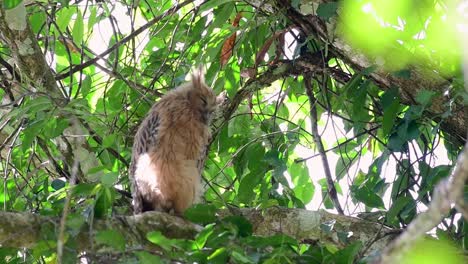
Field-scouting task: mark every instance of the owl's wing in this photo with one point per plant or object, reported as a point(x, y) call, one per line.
point(145, 138)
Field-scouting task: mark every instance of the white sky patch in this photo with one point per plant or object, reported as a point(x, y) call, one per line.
point(102, 31)
point(290, 44)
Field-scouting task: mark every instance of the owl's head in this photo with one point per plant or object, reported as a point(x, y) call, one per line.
point(201, 97)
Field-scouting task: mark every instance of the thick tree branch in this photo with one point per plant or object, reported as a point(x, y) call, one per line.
point(25, 230)
point(27, 53)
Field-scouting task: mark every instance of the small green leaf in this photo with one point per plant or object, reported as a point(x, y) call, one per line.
point(304, 189)
point(201, 213)
point(347, 254)
point(367, 196)
point(92, 19)
point(109, 179)
point(240, 257)
point(159, 239)
point(220, 256)
point(424, 97)
point(109, 141)
point(389, 117)
point(396, 208)
point(395, 143)
point(327, 10)
point(85, 189)
point(74, 223)
point(111, 238)
point(104, 201)
point(244, 226)
point(9, 4)
point(86, 86)
point(247, 186)
point(64, 17)
point(203, 235)
point(57, 184)
point(78, 28)
point(389, 97)
point(147, 258)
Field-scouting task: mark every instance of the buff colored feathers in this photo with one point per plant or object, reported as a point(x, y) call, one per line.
point(169, 148)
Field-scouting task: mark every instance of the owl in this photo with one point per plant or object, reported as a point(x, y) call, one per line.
point(169, 149)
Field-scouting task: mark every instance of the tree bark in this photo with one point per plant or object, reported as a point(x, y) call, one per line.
point(25, 230)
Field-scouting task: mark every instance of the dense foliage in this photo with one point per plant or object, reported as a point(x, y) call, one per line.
point(66, 149)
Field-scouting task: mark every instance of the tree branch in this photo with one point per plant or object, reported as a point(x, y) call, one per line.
point(25, 230)
point(318, 142)
point(422, 75)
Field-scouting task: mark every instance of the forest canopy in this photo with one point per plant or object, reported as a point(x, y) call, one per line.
point(336, 141)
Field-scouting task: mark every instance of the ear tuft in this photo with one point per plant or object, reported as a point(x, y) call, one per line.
point(198, 79)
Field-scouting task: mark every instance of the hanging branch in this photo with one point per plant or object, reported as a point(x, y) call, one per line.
point(319, 144)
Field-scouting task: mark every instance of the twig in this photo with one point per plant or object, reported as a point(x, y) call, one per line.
point(66, 207)
point(318, 142)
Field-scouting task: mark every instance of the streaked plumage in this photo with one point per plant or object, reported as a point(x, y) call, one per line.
point(169, 147)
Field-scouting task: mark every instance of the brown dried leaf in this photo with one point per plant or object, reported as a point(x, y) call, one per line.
point(228, 45)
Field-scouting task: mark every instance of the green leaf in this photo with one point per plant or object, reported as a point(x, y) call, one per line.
point(74, 223)
point(55, 127)
point(92, 19)
point(389, 117)
point(424, 97)
point(389, 97)
point(85, 189)
point(397, 206)
point(212, 4)
point(57, 184)
point(271, 241)
point(147, 258)
point(367, 71)
point(64, 17)
point(220, 256)
point(203, 235)
point(304, 189)
point(111, 238)
point(201, 214)
point(327, 10)
point(78, 28)
point(159, 239)
point(109, 141)
point(247, 186)
point(409, 131)
point(347, 254)
point(240, 257)
point(367, 196)
point(109, 179)
point(9, 4)
point(395, 143)
point(37, 20)
point(104, 201)
point(243, 225)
